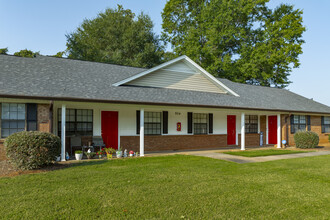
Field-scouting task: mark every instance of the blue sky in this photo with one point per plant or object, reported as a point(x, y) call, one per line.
point(41, 25)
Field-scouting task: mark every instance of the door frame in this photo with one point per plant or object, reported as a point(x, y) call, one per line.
point(100, 122)
point(235, 131)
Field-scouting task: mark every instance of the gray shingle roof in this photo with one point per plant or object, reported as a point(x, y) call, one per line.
point(59, 78)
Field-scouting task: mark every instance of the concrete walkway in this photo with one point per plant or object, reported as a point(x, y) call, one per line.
point(241, 159)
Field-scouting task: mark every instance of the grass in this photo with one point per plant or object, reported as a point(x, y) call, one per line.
point(260, 153)
point(172, 187)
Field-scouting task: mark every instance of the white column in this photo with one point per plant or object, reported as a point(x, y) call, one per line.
point(142, 132)
point(279, 144)
point(63, 133)
point(243, 131)
point(267, 130)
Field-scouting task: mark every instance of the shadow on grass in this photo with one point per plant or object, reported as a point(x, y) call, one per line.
point(11, 172)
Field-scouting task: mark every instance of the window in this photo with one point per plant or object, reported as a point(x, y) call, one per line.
point(79, 122)
point(326, 124)
point(12, 118)
point(298, 122)
point(152, 123)
point(251, 124)
point(200, 123)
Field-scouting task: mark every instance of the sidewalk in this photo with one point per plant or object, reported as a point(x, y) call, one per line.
point(241, 160)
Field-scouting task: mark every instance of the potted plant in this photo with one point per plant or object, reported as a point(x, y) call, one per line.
point(78, 154)
point(131, 153)
point(101, 153)
point(89, 155)
point(119, 153)
point(109, 152)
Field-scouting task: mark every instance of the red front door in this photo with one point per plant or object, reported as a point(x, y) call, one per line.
point(109, 128)
point(231, 129)
point(272, 129)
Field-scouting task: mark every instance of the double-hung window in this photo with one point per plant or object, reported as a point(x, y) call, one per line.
point(251, 124)
point(326, 124)
point(200, 123)
point(79, 122)
point(152, 123)
point(298, 122)
point(12, 118)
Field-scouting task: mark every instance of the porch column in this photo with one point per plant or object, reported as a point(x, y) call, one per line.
point(279, 144)
point(267, 129)
point(243, 131)
point(142, 132)
point(63, 133)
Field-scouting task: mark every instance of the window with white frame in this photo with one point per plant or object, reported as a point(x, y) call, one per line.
point(200, 123)
point(251, 124)
point(326, 124)
point(152, 123)
point(12, 118)
point(298, 123)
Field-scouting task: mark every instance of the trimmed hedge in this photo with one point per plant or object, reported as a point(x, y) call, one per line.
point(306, 139)
point(28, 150)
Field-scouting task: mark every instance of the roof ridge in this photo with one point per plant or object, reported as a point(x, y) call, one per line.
point(70, 59)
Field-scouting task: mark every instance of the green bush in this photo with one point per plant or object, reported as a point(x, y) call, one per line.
point(306, 139)
point(28, 150)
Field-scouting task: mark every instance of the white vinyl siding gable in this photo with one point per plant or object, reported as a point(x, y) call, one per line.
point(178, 76)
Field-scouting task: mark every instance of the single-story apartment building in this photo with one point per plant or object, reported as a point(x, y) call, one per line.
point(174, 106)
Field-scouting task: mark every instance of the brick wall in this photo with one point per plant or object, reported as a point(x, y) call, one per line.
point(250, 140)
point(315, 127)
point(182, 142)
point(2, 151)
point(44, 122)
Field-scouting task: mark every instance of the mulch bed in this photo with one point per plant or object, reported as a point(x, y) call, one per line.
point(6, 169)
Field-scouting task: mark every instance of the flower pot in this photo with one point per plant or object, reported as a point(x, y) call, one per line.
point(119, 154)
point(78, 156)
point(109, 156)
point(100, 156)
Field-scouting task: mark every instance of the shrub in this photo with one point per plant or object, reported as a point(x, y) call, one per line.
point(28, 150)
point(306, 139)
point(78, 152)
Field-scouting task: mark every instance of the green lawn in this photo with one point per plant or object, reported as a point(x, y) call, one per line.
point(260, 153)
point(172, 187)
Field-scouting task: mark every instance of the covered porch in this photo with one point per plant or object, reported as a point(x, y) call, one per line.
point(178, 128)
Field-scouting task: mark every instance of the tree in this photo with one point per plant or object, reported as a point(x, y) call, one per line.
point(4, 50)
point(244, 41)
point(59, 54)
point(26, 53)
point(116, 36)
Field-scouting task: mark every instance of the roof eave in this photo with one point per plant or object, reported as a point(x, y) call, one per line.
point(75, 99)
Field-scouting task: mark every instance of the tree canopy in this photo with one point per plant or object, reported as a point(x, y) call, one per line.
point(4, 50)
point(244, 41)
point(116, 36)
point(26, 53)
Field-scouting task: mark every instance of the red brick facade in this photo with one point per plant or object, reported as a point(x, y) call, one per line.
point(315, 127)
point(44, 119)
point(182, 142)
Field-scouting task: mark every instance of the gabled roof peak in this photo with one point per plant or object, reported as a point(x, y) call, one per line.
point(205, 77)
